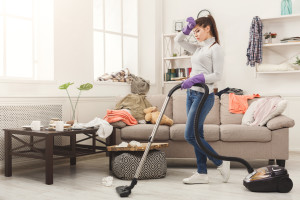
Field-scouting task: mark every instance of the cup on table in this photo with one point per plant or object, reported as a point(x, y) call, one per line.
point(35, 125)
point(59, 125)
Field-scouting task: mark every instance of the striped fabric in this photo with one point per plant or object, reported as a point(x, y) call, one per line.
point(254, 51)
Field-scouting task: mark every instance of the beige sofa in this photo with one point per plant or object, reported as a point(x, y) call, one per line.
point(222, 129)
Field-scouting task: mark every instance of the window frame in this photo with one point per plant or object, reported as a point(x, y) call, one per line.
point(121, 33)
point(35, 61)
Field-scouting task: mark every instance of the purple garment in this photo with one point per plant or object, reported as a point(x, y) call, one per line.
point(188, 83)
point(189, 27)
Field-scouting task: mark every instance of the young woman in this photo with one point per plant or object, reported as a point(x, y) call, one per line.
point(207, 67)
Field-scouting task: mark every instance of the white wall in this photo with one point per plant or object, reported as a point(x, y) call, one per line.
point(73, 54)
point(233, 20)
point(73, 61)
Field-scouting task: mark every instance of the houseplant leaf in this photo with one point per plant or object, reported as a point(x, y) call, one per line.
point(86, 86)
point(65, 86)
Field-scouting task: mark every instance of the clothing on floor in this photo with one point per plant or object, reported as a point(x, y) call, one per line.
point(120, 115)
point(136, 104)
point(239, 103)
point(263, 108)
point(254, 50)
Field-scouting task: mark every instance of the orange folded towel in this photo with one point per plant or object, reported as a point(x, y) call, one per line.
point(239, 103)
point(119, 115)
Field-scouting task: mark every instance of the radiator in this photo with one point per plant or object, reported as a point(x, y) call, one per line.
point(16, 116)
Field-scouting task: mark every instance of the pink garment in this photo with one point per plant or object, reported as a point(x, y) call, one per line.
point(263, 108)
point(239, 103)
point(119, 115)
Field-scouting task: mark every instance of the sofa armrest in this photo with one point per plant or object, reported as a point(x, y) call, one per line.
point(279, 122)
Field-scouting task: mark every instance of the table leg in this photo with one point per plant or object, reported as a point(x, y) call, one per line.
point(49, 159)
point(110, 153)
point(94, 142)
point(73, 149)
point(8, 154)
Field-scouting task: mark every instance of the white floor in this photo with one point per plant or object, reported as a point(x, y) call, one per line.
point(84, 182)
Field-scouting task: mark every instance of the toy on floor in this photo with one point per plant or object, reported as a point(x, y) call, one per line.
point(152, 114)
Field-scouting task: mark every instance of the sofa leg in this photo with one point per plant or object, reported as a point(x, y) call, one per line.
point(271, 162)
point(280, 163)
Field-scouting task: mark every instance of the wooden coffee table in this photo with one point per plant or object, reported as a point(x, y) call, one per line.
point(69, 151)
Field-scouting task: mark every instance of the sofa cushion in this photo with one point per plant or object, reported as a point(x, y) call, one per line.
point(179, 111)
point(143, 132)
point(279, 122)
point(211, 132)
point(158, 101)
point(244, 133)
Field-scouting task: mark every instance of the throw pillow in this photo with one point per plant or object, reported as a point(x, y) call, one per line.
point(248, 117)
point(118, 124)
point(278, 110)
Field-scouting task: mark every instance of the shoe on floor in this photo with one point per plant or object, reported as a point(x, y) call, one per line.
point(224, 169)
point(196, 178)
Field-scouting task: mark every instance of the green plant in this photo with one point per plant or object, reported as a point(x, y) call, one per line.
point(272, 35)
point(297, 61)
point(81, 88)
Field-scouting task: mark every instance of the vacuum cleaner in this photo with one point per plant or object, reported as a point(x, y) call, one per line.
point(272, 178)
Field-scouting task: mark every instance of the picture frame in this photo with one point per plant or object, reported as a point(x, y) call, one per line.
point(178, 25)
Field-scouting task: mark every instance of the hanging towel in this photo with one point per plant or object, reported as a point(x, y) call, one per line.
point(254, 51)
point(239, 103)
point(120, 115)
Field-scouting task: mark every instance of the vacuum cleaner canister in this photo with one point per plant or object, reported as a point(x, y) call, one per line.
point(272, 178)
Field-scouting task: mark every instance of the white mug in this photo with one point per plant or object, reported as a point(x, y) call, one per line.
point(35, 125)
point(59, 125)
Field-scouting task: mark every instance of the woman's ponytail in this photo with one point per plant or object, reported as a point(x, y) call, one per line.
point(209, 21)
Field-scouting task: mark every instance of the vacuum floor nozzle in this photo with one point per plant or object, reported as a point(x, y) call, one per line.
point(123, 191)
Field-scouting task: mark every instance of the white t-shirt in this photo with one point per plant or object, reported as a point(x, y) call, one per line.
point(206, 59)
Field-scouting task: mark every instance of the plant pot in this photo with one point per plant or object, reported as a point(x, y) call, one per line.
point(270, 40)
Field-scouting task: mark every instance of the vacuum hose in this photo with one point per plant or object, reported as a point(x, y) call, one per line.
point(199, 141)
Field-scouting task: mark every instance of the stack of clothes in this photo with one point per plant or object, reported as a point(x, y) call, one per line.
point(130, 110)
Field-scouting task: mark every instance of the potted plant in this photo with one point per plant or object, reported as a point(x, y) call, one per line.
point(83, 87)
point(297, 61)
point(269, 36)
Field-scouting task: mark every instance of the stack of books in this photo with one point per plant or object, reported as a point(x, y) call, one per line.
point(290, 39)
point(177, 74)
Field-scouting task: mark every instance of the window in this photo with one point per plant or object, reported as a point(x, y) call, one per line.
point(115, 36)
point(26, 39)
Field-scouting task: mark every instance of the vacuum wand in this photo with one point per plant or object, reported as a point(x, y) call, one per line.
point(124, 191)
point(199, 141)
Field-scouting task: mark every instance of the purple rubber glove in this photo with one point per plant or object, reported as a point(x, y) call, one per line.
point(188, 83)
point(189, 27)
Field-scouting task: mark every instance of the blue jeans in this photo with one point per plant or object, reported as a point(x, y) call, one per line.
point(192, 101)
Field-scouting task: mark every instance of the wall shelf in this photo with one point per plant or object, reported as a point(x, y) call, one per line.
point(279, 72)
point(282, 44)
point(282, 17)
point(177, 57)
point(277, 53)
